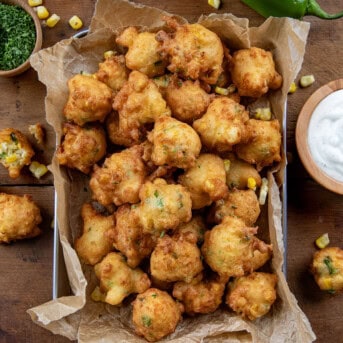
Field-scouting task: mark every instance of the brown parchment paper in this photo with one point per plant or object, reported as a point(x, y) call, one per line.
point(76, 316)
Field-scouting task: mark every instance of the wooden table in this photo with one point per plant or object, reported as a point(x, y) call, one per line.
point(26, 267)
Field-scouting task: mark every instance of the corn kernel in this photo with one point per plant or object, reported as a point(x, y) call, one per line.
point(108, 54)
point(251, 183)
point(11, 158)
point(42, 12)
point(307, 81)
point(327, 283)
point(75, 22)
point(221, 91)
point(38, 169)
point(53, 20)
point(214, 3)
point(263, 191)
point(323, 241)
point(34, 3)
point(293, 87)
point(97, 295)
point(263, 113)
point(227, 165)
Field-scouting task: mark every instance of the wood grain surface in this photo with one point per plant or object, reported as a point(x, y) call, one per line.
point(26, 267)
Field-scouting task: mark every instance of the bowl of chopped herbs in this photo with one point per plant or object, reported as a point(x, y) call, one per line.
point(20, 36)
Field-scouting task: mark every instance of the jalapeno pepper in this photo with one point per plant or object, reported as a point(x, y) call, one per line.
point(290, 8)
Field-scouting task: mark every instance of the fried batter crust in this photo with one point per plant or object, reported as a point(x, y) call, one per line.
point(19, 218)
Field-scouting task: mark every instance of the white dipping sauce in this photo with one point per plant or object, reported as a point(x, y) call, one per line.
point(325, 135)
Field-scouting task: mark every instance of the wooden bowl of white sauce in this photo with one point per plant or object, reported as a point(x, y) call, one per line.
point(319, 136)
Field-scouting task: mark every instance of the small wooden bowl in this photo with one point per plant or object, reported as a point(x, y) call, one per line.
point(301, 136)
point(26, 65)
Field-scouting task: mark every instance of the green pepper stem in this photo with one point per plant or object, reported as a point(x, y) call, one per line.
point(314, 9)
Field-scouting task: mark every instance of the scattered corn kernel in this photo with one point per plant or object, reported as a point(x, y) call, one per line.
point(323, 241)
point(42, 12)
point(327, 282)
point(292, 88)
point(109, 53)
point(263, 191)
point(263, 113)
point(53, 20)
point(214, 3)
point(307, 81)
point(34, 3)
point(251, 183)
point(75, 22)
point(227, 165)
point(38, 169)
point(221, 91)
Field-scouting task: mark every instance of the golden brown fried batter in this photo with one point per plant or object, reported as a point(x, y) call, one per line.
point(253, 72)
point(15, 151)
point(89, 100)
point(112, 72)
point(81, 147)
point(176, 258)
point(120, 178)
point(139, 102)
point(205, 181)
point(118, 136)
point(128, 236)
point(94, 243)
point(38, 132)
point(199, 296)
point(264, 143)
point(163, 206)
point(175, 143)
point(143, 52)
point(186, 99)
point(118, 280)
point(155, 314)
point(19, 218)
point(223, 125)
point(229, 248)
point(253, 295)
point(238, 203)
point(194, 51)
point(196, 226)
point(327, 269)
point(239, 172)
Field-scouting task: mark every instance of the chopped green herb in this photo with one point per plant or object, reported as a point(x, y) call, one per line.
point(146, 320)
point(17, 36)
point(89, 229)
point(156, 194)
point(234, 207)
point(328, 262)
point(162, 234)
point(14, 137)
point(154, 295)
point(2, 155)
point(331, 291)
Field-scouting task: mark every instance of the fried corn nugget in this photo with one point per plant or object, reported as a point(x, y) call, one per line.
point(253, 72)
point(113, 72)
point(175, 143)
point(223, 125)
point(19, 218)
point(118, 136)
point(139, 102)
point(239, 172)
point(89, 100)
point(186, 99)
point(264, 143)
point(143, 52)
point(196, 226)
point(155, 314)
point(238, 203)
point(128, 236)
point(15, 151)
point(194, 51)
point(327, 269)
point(163, 206)
point(81, 147)
point(120, 178)
point(253, 295)
point(206, 181)
point(94, 243)
point(229, 248)
point(118, 280)
point(176, 258)
point(199, 296)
